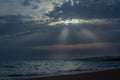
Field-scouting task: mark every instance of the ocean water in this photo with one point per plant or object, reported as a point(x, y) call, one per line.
point(28, 69)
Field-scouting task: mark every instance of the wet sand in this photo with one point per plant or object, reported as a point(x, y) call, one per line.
point(100, 75)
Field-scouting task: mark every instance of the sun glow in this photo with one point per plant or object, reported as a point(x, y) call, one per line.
point(73, 21)
point(66, 22)
point(80, 21)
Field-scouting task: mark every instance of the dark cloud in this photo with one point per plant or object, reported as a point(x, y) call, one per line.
point(29, 2)
point(89, 9)
point(15, 25)
point(14, 19)
point(35, 7)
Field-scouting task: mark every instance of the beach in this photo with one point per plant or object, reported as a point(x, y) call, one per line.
point(113, 74)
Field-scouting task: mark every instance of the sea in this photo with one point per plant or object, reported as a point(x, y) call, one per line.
point(14, 70)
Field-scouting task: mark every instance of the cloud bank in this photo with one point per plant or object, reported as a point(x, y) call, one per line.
point(88, 9)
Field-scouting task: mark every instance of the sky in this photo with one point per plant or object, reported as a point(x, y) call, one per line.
point(59, 29)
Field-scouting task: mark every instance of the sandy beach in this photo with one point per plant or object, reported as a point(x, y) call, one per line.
point(100, 75)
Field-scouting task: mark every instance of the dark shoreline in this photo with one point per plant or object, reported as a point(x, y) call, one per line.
point(113, 74)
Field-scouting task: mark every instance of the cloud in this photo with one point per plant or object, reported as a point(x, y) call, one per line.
point(34, 3)
point(2, 38)
point(87, 46)
point(2, 21)
point(27, 2)
point(54, 9)
point(87, 9)
point(43, 5)
point(34, 8)
point(15, 19)
point(24, 19)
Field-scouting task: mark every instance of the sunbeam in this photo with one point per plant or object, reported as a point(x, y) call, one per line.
point(63, 37)
point(90, 35)
point(85, 34)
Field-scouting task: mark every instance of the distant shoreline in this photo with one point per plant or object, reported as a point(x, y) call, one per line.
point(113, 74)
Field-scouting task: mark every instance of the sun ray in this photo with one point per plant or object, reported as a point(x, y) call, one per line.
point(63, 37)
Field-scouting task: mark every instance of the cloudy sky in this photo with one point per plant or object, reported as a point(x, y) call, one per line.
point(59, 29)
